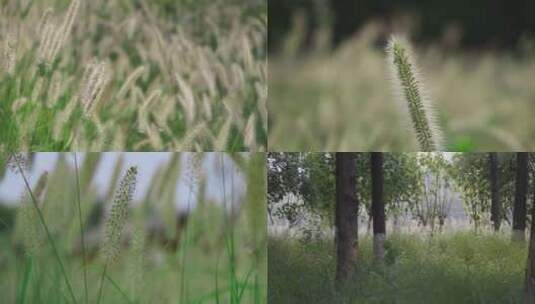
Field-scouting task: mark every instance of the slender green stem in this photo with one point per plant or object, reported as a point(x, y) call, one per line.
point(81, 226)
point(229, 233)
point(48, 234)
point(116, 286)
point(102, 281)
point(183, 297)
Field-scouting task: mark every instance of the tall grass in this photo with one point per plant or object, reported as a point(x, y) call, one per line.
point(115, 76)
point(460, 267)
point(120, 255)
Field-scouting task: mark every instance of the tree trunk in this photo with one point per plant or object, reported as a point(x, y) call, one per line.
point(378, 206)
point(495, 208)
point(521, 187)
point(346, 216)
point(529, 291)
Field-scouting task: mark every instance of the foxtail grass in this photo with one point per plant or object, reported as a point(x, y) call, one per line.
point(409, 88)
point(19, 165)
point(116, 220)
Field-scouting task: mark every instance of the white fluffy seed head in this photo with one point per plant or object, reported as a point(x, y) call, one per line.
point(193, 169)
point(53, 37)
point(9, 53)
point(186, 98)
point(96, 77)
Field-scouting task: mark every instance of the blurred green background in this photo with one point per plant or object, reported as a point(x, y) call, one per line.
point(330, 83)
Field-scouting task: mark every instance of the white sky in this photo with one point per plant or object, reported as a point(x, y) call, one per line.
point(12, 186)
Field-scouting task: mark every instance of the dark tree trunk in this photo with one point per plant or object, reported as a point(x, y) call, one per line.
point(495, 208)
point(521, 189)
point(378, 206)
point(346, 216)
point(529, 291)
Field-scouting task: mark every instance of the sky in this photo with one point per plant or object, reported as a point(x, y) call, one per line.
point(12, 185)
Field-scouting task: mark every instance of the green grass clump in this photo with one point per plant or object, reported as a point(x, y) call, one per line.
point(452, 268)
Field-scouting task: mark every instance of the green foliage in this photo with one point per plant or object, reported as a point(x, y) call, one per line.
point(473, 183)
point(437, 190)
point(402, 182)
point(318, 188)
point(7, 218)
point(471, 176)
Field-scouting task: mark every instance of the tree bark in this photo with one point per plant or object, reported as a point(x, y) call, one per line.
point(346, 215)
point(521, 188)
point(529, 291)
point(378, 206)
point(495, 208)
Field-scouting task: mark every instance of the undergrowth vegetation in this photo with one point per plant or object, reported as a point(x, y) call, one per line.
point(133, 75)
point(460, 267)
point(341, 99)
point(66, 243)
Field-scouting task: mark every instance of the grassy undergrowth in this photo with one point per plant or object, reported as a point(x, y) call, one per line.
point(459, 267)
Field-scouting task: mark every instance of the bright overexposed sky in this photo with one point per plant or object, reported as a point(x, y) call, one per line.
point(12, 185)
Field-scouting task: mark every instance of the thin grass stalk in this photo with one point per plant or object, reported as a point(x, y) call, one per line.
point(183, 297)
point(101, 285)
point(78, 201)
point(48, 234)
point(229, 235)
point(116, 286)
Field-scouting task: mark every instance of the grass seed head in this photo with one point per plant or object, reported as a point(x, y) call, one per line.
point(53, 37)
point(409, 87)
point(27, 218)
point(9, 53)
point(96, 78)
point(18, 160)
point(118, 214)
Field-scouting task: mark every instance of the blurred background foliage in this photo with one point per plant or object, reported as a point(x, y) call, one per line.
point(329, 80)
point(482, 23)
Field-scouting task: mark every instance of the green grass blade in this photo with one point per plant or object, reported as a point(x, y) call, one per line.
point(101, 285)
point(84, 259)
point(21, 297)
point(119, 289)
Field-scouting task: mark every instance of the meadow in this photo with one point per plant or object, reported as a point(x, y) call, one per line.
point(78, 245)
point(133, 75)
point(456, 267)
point(342, 99)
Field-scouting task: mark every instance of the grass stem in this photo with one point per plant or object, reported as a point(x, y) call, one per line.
point(47, 231)
point(78, 201)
